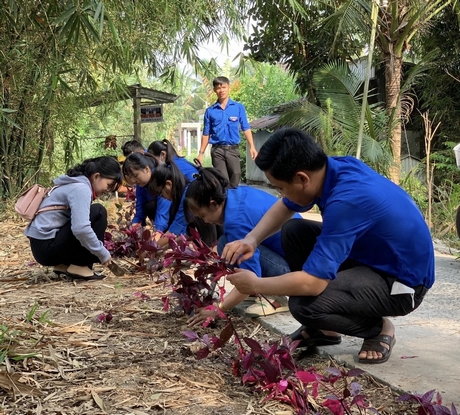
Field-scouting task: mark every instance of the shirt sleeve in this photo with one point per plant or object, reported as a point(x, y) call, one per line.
point(79, 202)
point(342, 223)
point(244, 119)
point(238, 229)
point(162, 214)
point(207, 123)
point(140, 215)
point(179, 224)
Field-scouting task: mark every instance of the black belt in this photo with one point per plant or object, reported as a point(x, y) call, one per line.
point(234, 147)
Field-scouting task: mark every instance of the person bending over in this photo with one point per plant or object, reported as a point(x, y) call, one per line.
point(371, 257)
point(211, 198)
point(164, 152)
point(137, 170)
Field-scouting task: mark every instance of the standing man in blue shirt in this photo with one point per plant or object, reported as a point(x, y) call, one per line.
point(371, 257)
point(221, 129)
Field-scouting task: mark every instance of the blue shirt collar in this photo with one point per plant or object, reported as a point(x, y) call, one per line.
point(217, 103)
point(330, 179)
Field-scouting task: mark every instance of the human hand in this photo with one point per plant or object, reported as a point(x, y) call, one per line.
point(200, 158)
point(201, 314)
point(238, 251)
point(253, 152)
point(108, 262)
point(243, 280)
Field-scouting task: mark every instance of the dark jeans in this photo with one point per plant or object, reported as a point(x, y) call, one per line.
point(227, 161)
point(65, 248)
point(353, 303)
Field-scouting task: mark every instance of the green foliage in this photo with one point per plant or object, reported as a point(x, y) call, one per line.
point(9, 340)
point(439, 90)
point(335, 120)
point(263, 87)
point(56, 56)
point(32, 317)
point(293, 33)
point(417, 190)
point(447, 199)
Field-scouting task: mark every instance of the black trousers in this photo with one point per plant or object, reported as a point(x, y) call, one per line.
point(227, 161)
point(150, 210)
point(65, 248)
point(353, 303)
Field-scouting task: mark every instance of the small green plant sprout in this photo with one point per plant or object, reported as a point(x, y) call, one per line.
point(42, 318)
point(9, 340)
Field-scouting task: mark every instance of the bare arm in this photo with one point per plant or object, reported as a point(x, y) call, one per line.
point(299, 283)
point(271, 222)
point(204, 144)
point(250, 140)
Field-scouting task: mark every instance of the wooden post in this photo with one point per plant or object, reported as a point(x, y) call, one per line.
point(137, 116)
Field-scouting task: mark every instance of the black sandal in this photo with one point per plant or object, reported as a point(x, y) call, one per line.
point(95, 276)
point(375, 345)
point(315, 337)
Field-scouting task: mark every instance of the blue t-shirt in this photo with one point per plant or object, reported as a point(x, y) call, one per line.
point(162, 213)
point(368, 218)
point(187, 168)
point(244, 208)
point(222, 125)
point(179, 224)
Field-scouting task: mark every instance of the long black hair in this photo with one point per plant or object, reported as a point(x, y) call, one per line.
point(163, 173)
point(209, 184)
point(107, 166)
point(157, 147)
point(138, 161)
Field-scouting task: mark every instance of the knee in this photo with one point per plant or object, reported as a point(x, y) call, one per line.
point(97, 212)
point(289, 228)
point(298, 306)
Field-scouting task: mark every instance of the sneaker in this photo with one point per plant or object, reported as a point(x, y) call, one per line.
point(262, 307)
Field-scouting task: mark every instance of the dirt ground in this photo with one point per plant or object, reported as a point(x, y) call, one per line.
point(138, 363)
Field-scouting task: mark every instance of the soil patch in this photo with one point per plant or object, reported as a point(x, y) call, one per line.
point(138, 363)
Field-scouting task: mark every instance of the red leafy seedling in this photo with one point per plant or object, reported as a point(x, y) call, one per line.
point(430, 403)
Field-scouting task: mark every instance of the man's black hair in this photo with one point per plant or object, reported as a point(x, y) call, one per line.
point(220, 80)
point(289, 151)
point(131, 146)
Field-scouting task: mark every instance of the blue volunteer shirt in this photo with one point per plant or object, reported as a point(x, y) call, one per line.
point(222, 125)
point(187, 168)
point(368, 218)
point(162, 214)
point(244, 208)
point(179, 224)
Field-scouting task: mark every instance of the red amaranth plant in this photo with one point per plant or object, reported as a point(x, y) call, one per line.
point(430, 403)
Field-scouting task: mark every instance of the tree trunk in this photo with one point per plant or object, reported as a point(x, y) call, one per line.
point(393, 73)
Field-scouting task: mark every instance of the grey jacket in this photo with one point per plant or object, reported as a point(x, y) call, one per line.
point(76, 193)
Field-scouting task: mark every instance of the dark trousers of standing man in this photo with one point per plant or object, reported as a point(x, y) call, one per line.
point(353, 303)
point(226, 159)
point(65, 248)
